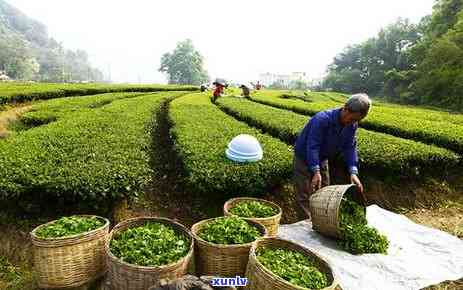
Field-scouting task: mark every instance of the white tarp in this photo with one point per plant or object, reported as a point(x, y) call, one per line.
point(418, 256)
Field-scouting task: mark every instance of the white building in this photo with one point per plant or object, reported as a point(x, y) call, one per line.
point(285, 80)
point(3, 76)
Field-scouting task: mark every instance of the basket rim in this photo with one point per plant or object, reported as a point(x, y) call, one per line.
point(347, 187)
point(231, 202)
point(128, 223)
point(255, 246)
point(70, 237)
point(197, 226)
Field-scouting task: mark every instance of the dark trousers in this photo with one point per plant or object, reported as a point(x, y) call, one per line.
point(332, 170)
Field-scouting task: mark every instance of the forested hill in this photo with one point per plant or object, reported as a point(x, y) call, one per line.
point(27, 52)
point(413, 63)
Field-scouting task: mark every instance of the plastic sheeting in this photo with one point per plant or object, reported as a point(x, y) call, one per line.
point(418, 256)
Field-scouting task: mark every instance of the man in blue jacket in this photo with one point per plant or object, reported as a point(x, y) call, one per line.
point(327, 138)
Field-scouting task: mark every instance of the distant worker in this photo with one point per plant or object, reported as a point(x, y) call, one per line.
point(258, 86)
point(219, 89)
point(203, 88)
point(329, 137)
point(245, 91)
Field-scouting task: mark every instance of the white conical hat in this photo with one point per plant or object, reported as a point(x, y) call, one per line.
point(244, 148)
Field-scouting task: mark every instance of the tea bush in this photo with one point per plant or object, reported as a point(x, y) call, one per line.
point(201, 133)
point(377, 151)
point(86, 155)
point(397, 122)
point(21, 92)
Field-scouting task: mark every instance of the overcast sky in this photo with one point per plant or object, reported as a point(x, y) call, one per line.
point(239, 39)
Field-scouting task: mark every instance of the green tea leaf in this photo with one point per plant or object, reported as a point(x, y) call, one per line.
point(68, 226)
point(253, 209)
point(153, 244)
point(293, 266)
point(229, 230)
point(358, 237)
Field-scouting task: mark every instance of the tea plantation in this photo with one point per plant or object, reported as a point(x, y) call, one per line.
point(98, 147)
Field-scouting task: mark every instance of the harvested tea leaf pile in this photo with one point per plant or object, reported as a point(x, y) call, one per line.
point(253, 209)
point(68, 226)
point(229, 231)
point(294, 267)
point(153, 244)
point(358, 237)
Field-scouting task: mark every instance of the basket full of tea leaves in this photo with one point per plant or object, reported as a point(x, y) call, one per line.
point(142, 251)
point(337, 211)
point(223, 243)
point(70, 251)
point(283, 265)
point(262, 211)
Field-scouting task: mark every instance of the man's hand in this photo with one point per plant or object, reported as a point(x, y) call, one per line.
point(355, 180)
point(316, 181)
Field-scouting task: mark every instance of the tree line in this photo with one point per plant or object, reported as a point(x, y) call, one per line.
point(28, 53)
point(412, 63)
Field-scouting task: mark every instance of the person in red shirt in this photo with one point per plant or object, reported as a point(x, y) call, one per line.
point(218, 91)
point(258, 86)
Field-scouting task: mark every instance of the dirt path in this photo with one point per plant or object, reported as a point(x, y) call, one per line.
point(446, 216)
point(11, 115)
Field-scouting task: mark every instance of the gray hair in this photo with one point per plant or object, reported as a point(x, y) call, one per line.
point(359, 103)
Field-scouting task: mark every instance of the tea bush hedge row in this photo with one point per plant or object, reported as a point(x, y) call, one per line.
point(377, 151)
point(48, 111)
point(201, 133)
point(441, 133)
point(280, 123)
point(21, 92)
point(86, 155)
point(323, 101)
point(333, 99)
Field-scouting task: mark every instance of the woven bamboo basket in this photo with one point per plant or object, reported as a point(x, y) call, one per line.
point(222, 260)
point(70, 261)
point(261, 278)
point(325, 205)
point(270, 223)
point(125, 276)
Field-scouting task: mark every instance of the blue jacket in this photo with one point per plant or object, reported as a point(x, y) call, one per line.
point(323, 137)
